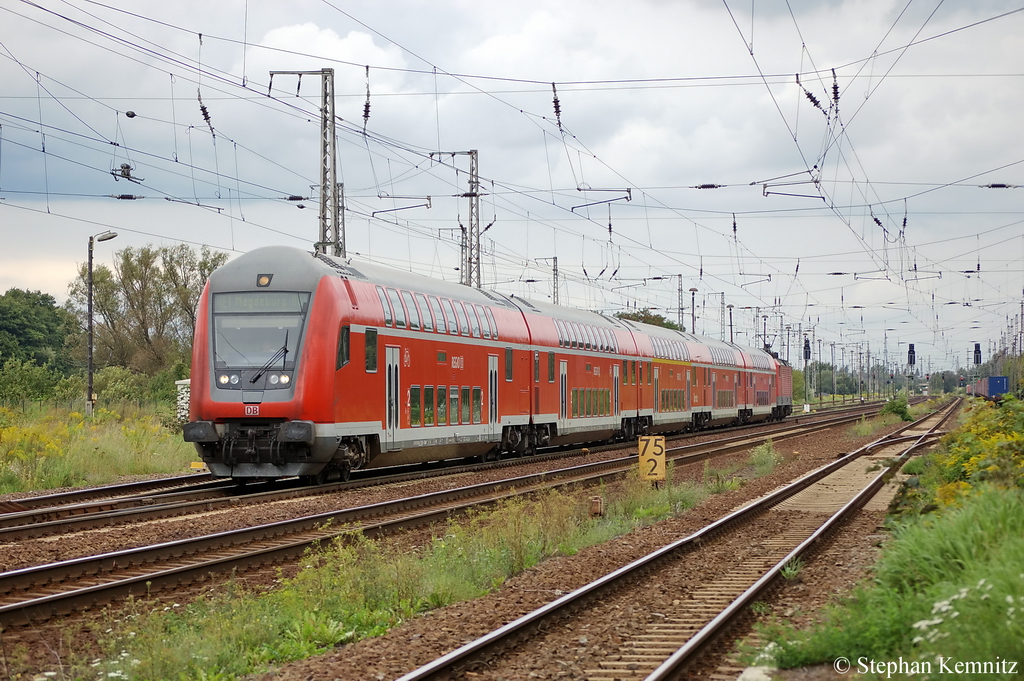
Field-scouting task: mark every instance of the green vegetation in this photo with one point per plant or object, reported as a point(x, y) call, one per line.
point(57, 448)
point(951, 581)
point(145, 316)
point(897, 406)
point(764, 458)
point(791, 570)
point(356, 588)
point(647, 317)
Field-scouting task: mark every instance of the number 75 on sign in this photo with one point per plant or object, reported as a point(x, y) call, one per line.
point(652, 457)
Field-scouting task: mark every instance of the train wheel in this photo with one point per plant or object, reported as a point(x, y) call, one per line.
point(316, 479)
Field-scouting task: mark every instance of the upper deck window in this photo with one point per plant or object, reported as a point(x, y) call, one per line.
point(424, 310)
point(449, 311)
point(396, 303)
point(388, 318)
point(410, 305)
point(435, 307)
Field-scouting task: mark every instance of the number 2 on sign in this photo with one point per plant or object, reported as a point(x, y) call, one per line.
point(652, 457)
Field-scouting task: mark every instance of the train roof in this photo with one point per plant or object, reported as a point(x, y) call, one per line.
point(298, 269)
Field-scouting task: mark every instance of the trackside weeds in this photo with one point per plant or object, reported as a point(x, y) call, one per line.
point(947, 593)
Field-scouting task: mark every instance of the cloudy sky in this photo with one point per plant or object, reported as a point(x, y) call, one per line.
point(851, 167)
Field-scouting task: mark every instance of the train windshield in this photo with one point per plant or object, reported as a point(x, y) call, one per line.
point(255, 328)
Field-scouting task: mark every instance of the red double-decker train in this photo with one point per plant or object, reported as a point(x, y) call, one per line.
point(308, 365)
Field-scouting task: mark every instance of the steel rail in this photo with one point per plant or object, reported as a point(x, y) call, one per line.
point(522, 627)
point(675, 665)
point(79, 517)
point(280, 542)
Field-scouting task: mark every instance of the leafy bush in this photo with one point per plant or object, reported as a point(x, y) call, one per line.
point(898, 407)
point(24, 380)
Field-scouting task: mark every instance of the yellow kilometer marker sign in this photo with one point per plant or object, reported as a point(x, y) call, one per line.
point(652, 457)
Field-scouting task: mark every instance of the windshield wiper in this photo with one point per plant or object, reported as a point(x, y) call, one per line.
point(282, 354)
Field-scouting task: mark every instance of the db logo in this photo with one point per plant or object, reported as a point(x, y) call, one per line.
point(252, 410)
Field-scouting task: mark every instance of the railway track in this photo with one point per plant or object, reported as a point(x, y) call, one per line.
point(172, 497)
point(656, 617)
point(33, 594)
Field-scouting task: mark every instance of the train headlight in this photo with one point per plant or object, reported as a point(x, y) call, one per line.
point(234, 379)
point(285, 378)
point(223, 379)
point(274, 378)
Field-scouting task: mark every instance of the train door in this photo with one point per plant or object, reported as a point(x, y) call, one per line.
point(563, 394)
point(688, 405)
point(615, 390)
point(393, 391)
point(657, 392)
point(494, 427)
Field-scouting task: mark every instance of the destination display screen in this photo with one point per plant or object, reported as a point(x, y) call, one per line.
point(260, 301)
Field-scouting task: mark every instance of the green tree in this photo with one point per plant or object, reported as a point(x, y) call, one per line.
point(647, 317)
point(145, 306)
point(33, 328)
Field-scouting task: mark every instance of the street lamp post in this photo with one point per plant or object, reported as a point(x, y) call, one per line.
point(90, 398)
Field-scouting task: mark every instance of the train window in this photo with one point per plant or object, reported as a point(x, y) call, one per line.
point(605, 401)
point(396, 304)
point(428, 405)
point(536, 366)
point(494, 325)
point(625, 372)
point(477, 405)
point(442, 405)
point(508, 364)
point(558, 330)
point(551, 367)
point(575, 402)
point(485, 325)
point(641, 373)
point(465, 404)
point(415, 395)
point(453, 405)
point(435, 307)
point(460, 312)
point(388, 319)
point(449, 312)
point(588, 338)
point(580, 337)
point(573, 340)
point(603, 337)
point(649, 373)
point(424, 310)
point(632, 372)
point(474, 323)
point(344, 346)
point(410, 305)
point(371, 350)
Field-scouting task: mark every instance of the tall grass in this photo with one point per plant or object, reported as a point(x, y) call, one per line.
point(951, 583)
point(866, 427)
point(951, 586)
point(357, 588)
point(60, 448)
